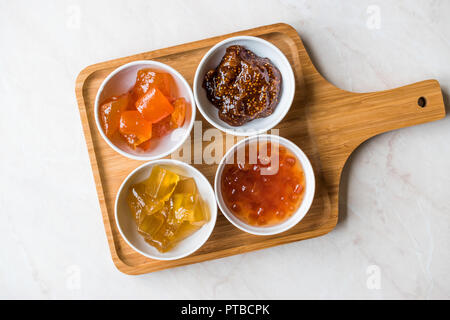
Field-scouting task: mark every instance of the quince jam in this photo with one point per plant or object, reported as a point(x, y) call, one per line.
point(243, 87)
point(167, 208)
point(266, 188)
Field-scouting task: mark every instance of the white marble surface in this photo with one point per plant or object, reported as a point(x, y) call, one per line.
point(396, 186)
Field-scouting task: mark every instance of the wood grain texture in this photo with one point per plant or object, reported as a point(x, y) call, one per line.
point(327, 123)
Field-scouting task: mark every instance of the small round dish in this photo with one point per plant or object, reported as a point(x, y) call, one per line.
point(297, 215)
point(261, 48)
point(127, 226)
point(121, 81)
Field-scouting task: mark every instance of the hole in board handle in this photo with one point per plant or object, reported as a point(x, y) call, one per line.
point(422, 102)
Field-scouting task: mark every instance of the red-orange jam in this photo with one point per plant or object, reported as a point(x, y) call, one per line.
point(260, 199)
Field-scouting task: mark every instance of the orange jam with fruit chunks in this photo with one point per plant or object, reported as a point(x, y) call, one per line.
point(167, 208)
point(147, 78)
point(266, 188)
point(179, 113)
point(135, 128)
point(110, 113)
point(150, 109)
point(154, 106)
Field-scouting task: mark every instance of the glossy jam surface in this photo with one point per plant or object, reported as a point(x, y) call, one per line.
point(150, 109)
point(167, 208)
point(154, 106)
point(257, 196)
point(243, 87)
point(148, 78)
point(110, 112)
point(135, 128)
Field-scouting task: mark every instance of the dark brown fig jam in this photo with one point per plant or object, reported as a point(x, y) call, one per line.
point(243, 87)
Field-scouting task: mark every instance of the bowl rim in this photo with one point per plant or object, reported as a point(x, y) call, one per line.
point(213, 213)
point(149, 63)
point(297, 216)
point(236, 131)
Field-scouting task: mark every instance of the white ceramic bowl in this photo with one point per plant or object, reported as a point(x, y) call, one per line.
point(307, 197)
point(121, 81)
point(126, 223)
point(261, 48)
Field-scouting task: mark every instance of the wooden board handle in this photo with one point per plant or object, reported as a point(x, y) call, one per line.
point(369, 114)
point(405, 106)
point(352, 118)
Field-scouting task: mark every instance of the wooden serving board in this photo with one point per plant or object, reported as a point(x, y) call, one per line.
point(327, 123)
